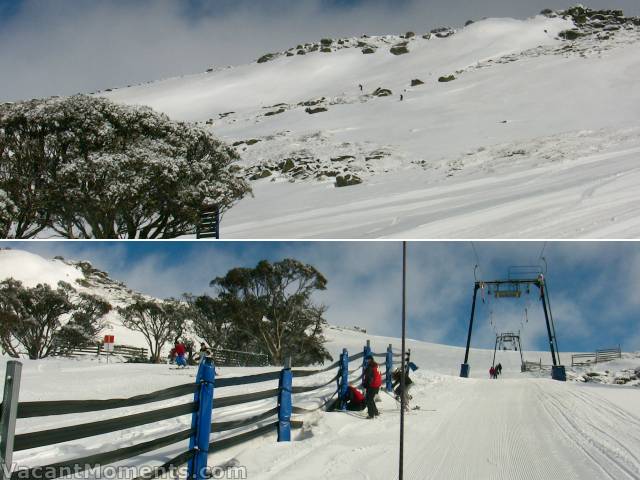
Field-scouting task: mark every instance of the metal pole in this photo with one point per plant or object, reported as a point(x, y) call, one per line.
point(402, 378)
point(521, 357)
point(9, 416)
point(546, 318)
point(494, 352)
point(464, 369)
point(553, 327)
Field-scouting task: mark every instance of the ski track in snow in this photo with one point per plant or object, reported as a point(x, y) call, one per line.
point(593, 196)
point(531, 429)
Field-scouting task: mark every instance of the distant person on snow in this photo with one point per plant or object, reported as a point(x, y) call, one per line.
point(401, 97)
point(492, 372)
point(180, 351)
point(360, 85)
point(355, 399)
point(499, 369)
point(371, 382)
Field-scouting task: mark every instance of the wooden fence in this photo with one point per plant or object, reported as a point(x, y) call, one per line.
point(132, 354)
point(598, 356)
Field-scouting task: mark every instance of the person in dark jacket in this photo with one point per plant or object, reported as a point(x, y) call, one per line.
point(371, 382)
point(396, 378)
point(499, 369)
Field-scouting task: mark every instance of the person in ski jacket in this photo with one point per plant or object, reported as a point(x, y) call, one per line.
point(355, 399)
point(492, 372)
point(371, 382)
point(499, 369)
point(396, 378)
point(181, 349)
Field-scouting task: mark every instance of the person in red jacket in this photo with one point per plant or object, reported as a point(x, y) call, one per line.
point(355, 399)
point(181, 349)
point(371, 382)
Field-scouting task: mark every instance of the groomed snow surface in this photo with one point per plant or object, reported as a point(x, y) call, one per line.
point(536, 137)
point(519, 426)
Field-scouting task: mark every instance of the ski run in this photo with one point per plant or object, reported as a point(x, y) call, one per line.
point(522, 425)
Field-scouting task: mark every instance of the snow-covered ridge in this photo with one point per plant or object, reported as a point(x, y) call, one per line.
point(500, 106)
point(32, 269)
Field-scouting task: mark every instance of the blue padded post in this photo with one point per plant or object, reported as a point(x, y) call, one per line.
point(389, 362)
point(285, 405)
point(201, 420)
point(367, 352)
point(343, 379)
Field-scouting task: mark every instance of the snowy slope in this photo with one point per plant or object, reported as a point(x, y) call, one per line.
point(520, 426)
point(536, 136)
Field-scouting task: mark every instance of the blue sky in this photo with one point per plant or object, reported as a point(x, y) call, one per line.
point(63, 47)
point(593, 285)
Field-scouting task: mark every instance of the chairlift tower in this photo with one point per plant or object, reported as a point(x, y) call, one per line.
point(519, 280)
point(509, 341)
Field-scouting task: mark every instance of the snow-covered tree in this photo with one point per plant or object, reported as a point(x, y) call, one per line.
point(272, 306)
point(158, 322)
point(35, 321)
point(7, 212)
point(86, 167)
point(211, 322)
point(86, 322)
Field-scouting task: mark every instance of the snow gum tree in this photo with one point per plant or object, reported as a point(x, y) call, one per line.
point(86, 167)
point(36, 321)
point(160, 322)
point(272, 307)
point(211, 322)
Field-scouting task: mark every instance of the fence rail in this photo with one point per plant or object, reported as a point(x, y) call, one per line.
point(236, 358)
point(202, 425)
point(598, 356)
point(97, 349)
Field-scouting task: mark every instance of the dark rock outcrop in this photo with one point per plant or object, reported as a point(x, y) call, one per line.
point(347, 180)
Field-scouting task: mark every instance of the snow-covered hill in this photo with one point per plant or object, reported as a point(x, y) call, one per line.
point(536, 135)
point(32, 269)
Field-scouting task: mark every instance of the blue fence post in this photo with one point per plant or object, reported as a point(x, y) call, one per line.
point(343, 378)
point(367, 352)
point(389, 361)
point(284, 402)
point(201, 420)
